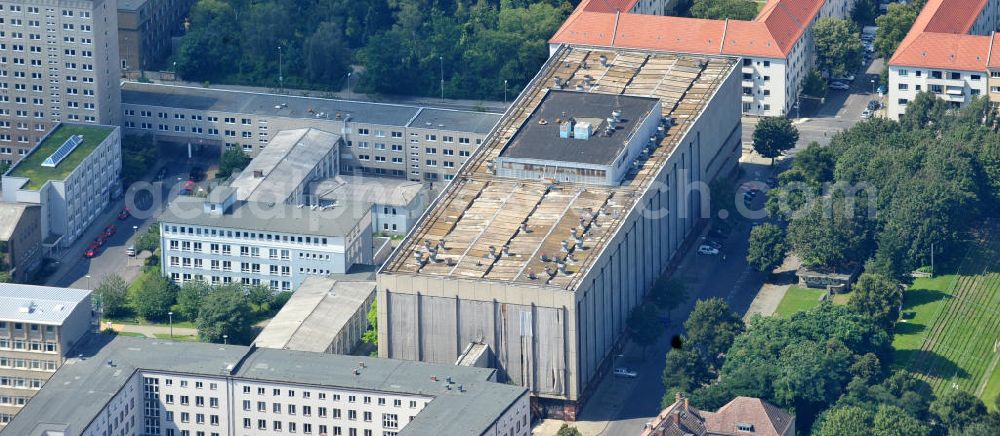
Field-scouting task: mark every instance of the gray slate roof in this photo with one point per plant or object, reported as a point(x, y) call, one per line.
point(316, 314)
point(81, 388)
point(244, 102)
point(275, 217)
point(541, 141)
point(286, 163)
point(39, 304)
point(10, 216)
point(378, 190)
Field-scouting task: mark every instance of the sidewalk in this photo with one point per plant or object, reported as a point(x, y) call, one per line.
point(771, 294)
point(151, 330)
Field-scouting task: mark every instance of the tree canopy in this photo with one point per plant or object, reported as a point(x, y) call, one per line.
point(838, 46)
point(402, 47)
point(224, 311)
point(773, 136)
point(893, 27)
point(113, 294)
point(767, 247)
point(744, 10)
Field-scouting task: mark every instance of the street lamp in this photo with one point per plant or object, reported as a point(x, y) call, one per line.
point(441, 58)
point(281, 77)
point(225, 339)
point(88, 280)
point(873, 86)
point(171, 315)
point(504, 91)
point(348, 84)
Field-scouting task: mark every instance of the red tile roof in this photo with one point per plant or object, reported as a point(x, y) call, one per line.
point(772, 34)
point(766, 419)
point(939, 38)
point(994, 60)
point(945, 50)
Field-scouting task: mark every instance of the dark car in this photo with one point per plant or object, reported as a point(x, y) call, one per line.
point(874, 105)
point(124, 214)
point(101, 239)
point(91, 251)
point(110, 230)
point(196, 174)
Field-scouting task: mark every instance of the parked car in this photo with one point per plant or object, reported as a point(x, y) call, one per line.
point(708, 250)
point(874, 105)
point(110, 230)
point(840, 86)
point(91, 251)
point(124, 214)
point(130, 251)
point(882, 89)
point(188, 188)
point(712, 243)
point(625, 372)
point(845, 78)
point(866, 114)
point(100, 240)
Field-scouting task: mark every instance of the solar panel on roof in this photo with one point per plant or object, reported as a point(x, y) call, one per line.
point(64, 150)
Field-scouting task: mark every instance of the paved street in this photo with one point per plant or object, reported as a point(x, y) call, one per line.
point(74, 268)
point(622, 406)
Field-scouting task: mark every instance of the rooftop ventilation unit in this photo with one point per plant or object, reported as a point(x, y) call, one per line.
point(27, 308)
point(63, 151)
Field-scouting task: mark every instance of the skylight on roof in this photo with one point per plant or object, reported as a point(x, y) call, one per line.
point(64, 150)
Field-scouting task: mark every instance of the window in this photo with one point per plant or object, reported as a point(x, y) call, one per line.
point(956, 76)
point(974, 77)
point(390, 420)
point(904, 86)
point(935, 74)
point(902, 101)
point(744, 427)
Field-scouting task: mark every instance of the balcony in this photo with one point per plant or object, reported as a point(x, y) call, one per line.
point(747, 98)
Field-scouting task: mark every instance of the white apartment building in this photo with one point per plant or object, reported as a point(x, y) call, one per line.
point(776, 47)
point(134, 386)
point(223, 240)
point(38, 328)
point(949, 52)
point(73, 174)
point(417, 143)
point(58, 63)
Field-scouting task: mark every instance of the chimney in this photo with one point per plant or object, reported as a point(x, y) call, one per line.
point(531, 274)
point(604, 61)
point(524, 227)
point(579, 243)
point(573, 232)
point(258, 174)
point(549, 272)
point(505, 251)
point(562, 267)
point(565, 246)
point(493, 252)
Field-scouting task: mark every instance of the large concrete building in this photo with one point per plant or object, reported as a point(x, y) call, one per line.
point(73, 174)
point(396, 204)
point(285, 170)
point(58, 62)
point(545, 270)
point(222, 240)
point(132, 386)
point(39, 326)
point(412, 142)
point(145, 30)
point(20, 240)
point(951, 51)
point(776, 47)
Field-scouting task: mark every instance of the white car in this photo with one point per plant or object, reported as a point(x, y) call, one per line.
point(625, 372)
point(866, 114)
point(840, 85)
point(844, 78)
point(708, 250)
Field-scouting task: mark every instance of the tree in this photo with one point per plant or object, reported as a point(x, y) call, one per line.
point(878, 297)
point(814, 85)
point(153, 295)
point(232, 160)
point(327, 56)
point(371, 335)
point(816, 163)
point(149, 241)
point(893, 27)
point(668, 293)
point(686, 370)
point(892, 421)
point(190, 296)
point(139, 154)
point(845, 421)
point(864, 12)
point(644, 326)
point(956, 409)
point(830, 233)
point(838, 46)
point(210, 50)
point(224, 312)
point(744, 10)
point(567, 430)
point(5, 277)
point(766, 250)
point(4, 166)
point(774, 135)
point(113, 294)
point(711, 328)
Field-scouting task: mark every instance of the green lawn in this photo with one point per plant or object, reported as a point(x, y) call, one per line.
point(798, 299)
point(31, 166)
point(950, 326)
point(132, 334)
point(992, 391)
